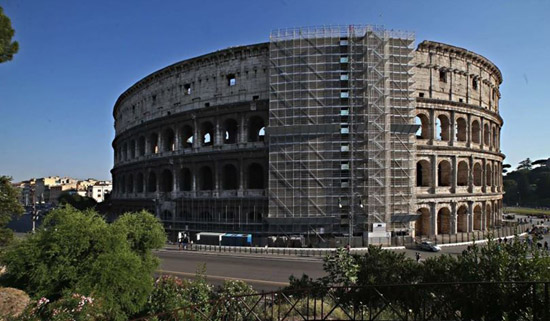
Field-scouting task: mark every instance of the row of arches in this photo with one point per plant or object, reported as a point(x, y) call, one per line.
point(473, 132)
point(489, 175)
point(465, 218)
point(189, 136)
point(185, 179)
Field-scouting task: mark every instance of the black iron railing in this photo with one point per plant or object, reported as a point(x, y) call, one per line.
point(483, 301)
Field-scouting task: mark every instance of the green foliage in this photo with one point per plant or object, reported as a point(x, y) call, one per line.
point(77, 251)
point(341, 268)
point(71, 307)
point(9, 202)
point(8, 48)
point(527, 186)
point(76, 201)
point(441, 284)
point(172, 296)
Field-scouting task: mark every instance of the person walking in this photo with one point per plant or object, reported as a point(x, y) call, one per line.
point(417, 257)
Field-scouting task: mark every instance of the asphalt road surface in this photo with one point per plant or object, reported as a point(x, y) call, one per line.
point(264, 273)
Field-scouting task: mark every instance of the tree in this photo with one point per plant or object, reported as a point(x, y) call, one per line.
point(9, 206)
point(78, 252)
point(525, 164)
point(77, 201)
point(8, 48)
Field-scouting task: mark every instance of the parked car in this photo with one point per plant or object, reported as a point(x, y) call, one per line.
point(509, 216)
point(429, 246)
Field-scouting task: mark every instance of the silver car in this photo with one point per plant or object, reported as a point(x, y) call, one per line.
point(429, 246)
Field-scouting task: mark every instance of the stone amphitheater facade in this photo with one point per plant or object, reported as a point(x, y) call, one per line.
point(191, 143)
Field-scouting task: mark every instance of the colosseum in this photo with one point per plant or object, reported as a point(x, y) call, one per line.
point(324, 131)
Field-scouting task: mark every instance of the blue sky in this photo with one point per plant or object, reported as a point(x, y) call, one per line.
point(77, 57)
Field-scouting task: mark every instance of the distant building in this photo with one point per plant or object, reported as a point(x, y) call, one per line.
point(99, 189)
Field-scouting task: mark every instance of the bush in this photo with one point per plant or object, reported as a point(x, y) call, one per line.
point(78, 252)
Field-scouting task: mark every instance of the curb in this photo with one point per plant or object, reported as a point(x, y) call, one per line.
point(478, 241)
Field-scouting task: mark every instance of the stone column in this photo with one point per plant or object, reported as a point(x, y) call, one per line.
point(433, 219)
point(469, 131)
point(470, 216)
point(216, 175)
point(433, 131)
point(218, 135)
point(452, 139)
point(196, 133)
point(241, 177)
point(454, 218)
point(177, 140)
point(454, 171)
point(434, 174)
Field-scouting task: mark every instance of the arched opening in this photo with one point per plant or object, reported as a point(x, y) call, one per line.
point(462, 219)
point(125, 151)
point(462, 174)
point(122, 184)
point(422, 224)
point(133, 149)
point(230, 131)
point(488, 175)
point(444, 173)
point(477, 217)
point(167, 181)
point(256, 129)
point(130, 185)
point(230, 177)
point(423, 173)
point(444, 221)
point(186, 180)
point(255, 176)
point(187, 136)
point(152, 183)
point(169, 140)
point(141, 146)
point(486, 134)
point(139, 183)
point(461, 129)
point(477, 174)
point(442, 128)
point(424, 131)
point(206, 179)
point(154, 143)
point(207, 134)
point(476, 135)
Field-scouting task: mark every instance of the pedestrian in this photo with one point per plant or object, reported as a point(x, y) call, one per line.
point(417, 257)
point(505, 240)
point(546, 245)
point(499, 240)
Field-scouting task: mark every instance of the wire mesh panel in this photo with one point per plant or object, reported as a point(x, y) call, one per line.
point(334, 162)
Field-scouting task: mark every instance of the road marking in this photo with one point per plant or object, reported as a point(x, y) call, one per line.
point(223, 278)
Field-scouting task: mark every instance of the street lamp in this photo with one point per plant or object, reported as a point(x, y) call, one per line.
point(350, 219)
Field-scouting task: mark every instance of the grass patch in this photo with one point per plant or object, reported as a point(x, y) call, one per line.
point(526, 211)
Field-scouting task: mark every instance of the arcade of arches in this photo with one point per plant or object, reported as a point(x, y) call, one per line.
point(453, 218)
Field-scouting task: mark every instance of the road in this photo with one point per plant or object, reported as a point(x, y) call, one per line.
point(262, 272)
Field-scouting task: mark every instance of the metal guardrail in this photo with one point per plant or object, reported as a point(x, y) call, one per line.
point(505, 231)
point(484, 301)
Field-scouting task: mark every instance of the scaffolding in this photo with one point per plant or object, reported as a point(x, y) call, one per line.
point(340, 143)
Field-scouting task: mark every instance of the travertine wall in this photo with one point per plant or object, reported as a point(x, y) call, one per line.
point(458, 158)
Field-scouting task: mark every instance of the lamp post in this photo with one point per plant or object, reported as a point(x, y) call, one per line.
point(350, 219)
